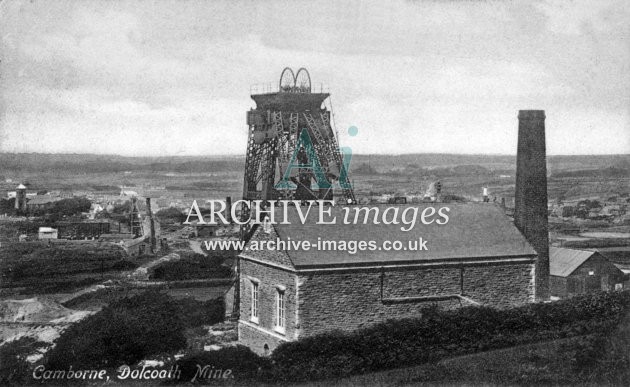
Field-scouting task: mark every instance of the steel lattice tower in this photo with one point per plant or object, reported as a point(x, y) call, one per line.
point(274, 127)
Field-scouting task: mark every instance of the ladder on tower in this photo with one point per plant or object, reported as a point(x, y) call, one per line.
point(330, 150)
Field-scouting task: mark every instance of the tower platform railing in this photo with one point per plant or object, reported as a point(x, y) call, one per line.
point(271, 88)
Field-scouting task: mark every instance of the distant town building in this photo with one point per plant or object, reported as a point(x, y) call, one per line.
point(127, 193)
point(47, 233)
point(95, 209)
point(205, 230)
point(83, 230)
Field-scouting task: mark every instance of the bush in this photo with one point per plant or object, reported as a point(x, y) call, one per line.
point(171, 215)
point(199, 313)
point(440, 334)
point(588, 353)
point(122, 333)
point(118, 336)
point(7, 206)
point(14, 369)
point(66, 207)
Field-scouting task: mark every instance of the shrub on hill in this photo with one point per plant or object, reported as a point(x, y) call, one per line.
point(197, 313)
point(14, 368)
point(7, 206)
point(440, 334)
point(415, 341)
point(171, 215)
point(124, 332)
point(65, 207)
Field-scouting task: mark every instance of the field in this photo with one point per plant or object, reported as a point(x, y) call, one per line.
point(39, 267)
point(181, 179)
point(60, 270)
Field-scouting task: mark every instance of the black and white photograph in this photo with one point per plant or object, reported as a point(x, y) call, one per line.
point(314, 193)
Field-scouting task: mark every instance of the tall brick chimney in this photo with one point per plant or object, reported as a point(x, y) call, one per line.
point(530, 202)
point(152, 240)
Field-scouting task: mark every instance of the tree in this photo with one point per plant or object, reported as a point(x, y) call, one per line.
point(171, 214)
point(7, 206)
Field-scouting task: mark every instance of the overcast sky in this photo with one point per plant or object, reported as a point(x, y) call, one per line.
point(173, 77)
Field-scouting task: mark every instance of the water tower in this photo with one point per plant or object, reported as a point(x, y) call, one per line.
point(20, 198)
point(275, 132)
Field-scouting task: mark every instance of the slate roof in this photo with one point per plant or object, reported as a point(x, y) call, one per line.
point(474, 230)
point(563, 262)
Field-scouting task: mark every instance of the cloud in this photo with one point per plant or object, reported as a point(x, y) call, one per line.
point(578, 17)
point(173, 77)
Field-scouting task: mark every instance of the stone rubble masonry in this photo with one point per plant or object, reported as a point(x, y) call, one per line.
point(350, 299)
point(269, 280)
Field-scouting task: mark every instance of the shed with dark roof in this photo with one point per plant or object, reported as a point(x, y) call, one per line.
point(575, 271)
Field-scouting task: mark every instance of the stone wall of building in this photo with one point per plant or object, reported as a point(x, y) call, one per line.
point(269, 279)
point(500, 286)
point(260, 342)
point(356, 299)
point(558, 286)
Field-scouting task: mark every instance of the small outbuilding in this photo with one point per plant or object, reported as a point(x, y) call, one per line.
point(575, 272)
point(205, 230)
point(137, 247)
point(47, 233)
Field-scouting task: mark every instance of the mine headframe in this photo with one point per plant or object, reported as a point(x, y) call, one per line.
point(275, 144)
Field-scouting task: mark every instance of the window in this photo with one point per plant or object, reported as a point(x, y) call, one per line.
point(280, 311)
point(591, 272)
point(254, 317)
